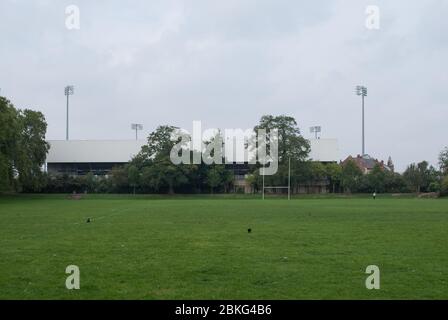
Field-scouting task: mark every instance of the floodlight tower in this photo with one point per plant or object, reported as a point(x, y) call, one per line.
point(315, 130)
point(362, 91)
point(68, 91)
point(136, 127)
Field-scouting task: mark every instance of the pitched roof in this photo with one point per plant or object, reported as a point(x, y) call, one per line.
point(366, 162)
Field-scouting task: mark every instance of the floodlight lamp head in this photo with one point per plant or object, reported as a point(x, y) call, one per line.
point(69, 90)
point(136, 126)
point(315, 129)
point(361, 91)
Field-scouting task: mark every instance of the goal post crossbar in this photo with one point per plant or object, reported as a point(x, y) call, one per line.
point(277, 187)
point(280, 187)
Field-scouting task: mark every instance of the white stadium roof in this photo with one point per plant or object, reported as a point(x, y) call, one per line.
point(91, 151)
point(121, 151)
point(324, 150)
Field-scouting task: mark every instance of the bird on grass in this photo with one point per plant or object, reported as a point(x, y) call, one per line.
point(249, 230)
point(88, 220)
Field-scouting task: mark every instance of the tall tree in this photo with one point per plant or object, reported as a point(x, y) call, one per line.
point(291, 144)
point(90, 182)
point(318, 171)
point(376, 179)
point(32, 149)
point(394, 182)
point(159, 143)
point(23, 147)
point(334, 172)
point(163, 175)
point(443, 161)
point(158, 170)
point(351, 176)
point(119, 179)
point(9, 135)
point(214, 177)
point(133, 177)
point(218, 176)
point(419, 176)
point(413, 177)
point(444, 186)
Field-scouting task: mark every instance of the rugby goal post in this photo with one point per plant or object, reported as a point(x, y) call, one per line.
point(280, 187)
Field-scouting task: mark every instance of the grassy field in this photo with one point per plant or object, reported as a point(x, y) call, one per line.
point(199, 248)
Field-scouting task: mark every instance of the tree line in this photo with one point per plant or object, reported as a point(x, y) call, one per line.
point(151, 171)
point(23, 150)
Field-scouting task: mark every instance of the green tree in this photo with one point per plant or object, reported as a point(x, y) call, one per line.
point(351, 176)
point(162, 174)
point(133, 177)
point(318, 171)
point(33, 149)
point(90, 182)
point(158, 172)
point(444, 186)
point(118, 178)
point(376, 179)
point(251, 179)
point(9, 135)
point(413, 177)
point(23, 148)
point(291, 144)
point(419, 176)
point(214, 177)
point(159, 143)
point(443, 161)
point(334, 173)
point(394, 182)
point(218, 176)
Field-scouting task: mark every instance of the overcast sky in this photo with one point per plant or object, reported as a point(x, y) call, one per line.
point(227, 63)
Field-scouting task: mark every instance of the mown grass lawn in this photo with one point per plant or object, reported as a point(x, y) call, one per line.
point(199, 248)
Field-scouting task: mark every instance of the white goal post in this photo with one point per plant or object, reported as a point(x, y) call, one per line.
point(280, 187)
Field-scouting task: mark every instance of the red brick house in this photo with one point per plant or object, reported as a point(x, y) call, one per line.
point(366, 163)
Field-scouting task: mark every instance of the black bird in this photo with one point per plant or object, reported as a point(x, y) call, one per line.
point(88, 220)
point(249, 230)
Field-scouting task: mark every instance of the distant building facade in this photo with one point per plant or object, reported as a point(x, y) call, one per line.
point(366, 163)
point(79, 157)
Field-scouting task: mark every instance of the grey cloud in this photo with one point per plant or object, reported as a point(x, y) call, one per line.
point(229, 62)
